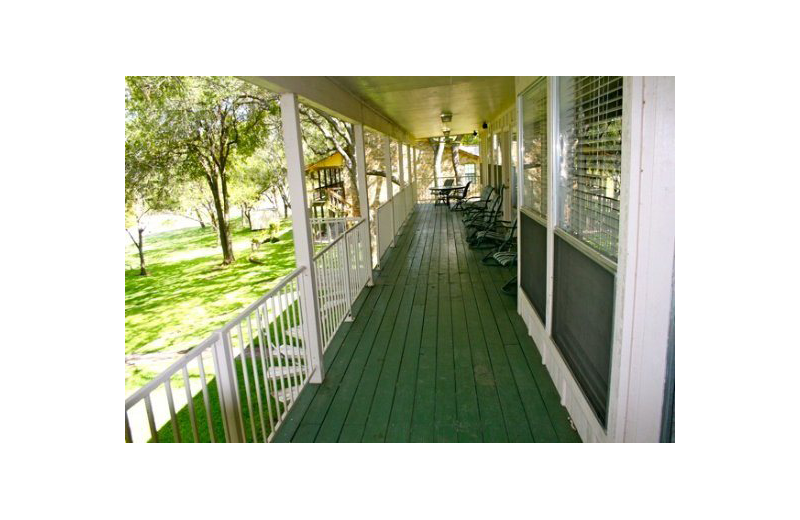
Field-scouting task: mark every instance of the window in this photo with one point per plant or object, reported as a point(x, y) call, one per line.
point(534, 149)
point(590, 156)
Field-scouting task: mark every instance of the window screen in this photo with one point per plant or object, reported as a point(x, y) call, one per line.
point(533, 263)
point(534, 148)
point(583, 320)
point(590, 152)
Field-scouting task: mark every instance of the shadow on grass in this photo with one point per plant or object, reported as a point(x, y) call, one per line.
point(181, 301)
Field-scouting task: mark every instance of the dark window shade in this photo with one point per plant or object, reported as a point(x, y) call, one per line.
point(583, 317)
point(533, 263)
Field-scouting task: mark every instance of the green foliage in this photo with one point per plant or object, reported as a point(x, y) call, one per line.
point(187, 296)
point(180, 129)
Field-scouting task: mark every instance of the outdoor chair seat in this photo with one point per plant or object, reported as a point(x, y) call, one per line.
point(460, 196)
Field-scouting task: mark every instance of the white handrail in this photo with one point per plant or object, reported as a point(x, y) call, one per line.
point(264, 344)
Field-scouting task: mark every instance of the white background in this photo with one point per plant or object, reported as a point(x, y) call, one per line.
point(736, 284)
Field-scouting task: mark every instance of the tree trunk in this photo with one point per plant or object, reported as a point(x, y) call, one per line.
point(223, 227)
point(140, 247)
point(438, 152)
point(456, 162)
point(200, 218)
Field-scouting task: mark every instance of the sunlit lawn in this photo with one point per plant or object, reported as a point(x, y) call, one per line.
point(188, 294)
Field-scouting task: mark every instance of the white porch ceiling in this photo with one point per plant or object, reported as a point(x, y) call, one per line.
point(415, 103)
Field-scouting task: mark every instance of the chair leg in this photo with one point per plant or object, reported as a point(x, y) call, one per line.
point(510, 287)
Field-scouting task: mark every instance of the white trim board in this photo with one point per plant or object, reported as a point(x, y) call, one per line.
point(584, 419)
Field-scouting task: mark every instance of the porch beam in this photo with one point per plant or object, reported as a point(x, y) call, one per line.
point(301, 227)
point(363, 193)
point(324, 93)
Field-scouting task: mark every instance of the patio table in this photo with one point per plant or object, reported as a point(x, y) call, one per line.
point(446, 191)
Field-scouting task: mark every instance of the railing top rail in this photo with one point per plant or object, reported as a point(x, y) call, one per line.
point(250, 308)
point(168, 372)
point(385, 203)
point(334, 242)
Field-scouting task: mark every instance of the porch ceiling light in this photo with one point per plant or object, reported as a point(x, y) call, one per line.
point(447, 117)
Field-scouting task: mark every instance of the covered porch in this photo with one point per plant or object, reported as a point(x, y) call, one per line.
point(394, 330)
point(435, 353)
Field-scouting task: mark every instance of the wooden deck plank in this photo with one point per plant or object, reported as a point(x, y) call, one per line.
point(445, 407)
point(315, 414)
point(511, 402)
point(559, 418)
point(384, 312)
point(402, 260)
point(381, 406)
point(423, 416)
point(399, 429)
point(436, 353)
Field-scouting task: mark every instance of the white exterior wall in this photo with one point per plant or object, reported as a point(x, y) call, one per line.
point(643, 292)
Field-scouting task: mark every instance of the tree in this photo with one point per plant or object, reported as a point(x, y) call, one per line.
point(437, 143)
point(199, 126)
point(144, 192)
point(455, 145)
point(323, 135)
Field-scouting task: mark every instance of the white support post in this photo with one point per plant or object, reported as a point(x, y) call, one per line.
point(363, 194)
point(507, 166)
point(400, 164)
point(520, 190)
point(303, 249)
point(387, 152)
point(413, 173)
point(644, 290)
point(228, 388)
point(552, 195)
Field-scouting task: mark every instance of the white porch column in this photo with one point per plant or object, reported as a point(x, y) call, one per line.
point(387, 161)
point(402, 175)
point(363, 193)
point(412, 158)
point(303, 249)
point(507, 166)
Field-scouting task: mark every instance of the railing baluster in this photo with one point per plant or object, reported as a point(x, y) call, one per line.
point(287, 340)
point(128, 436)
point(261, 345)
point(226, 427)
point(293, 340)
point(296, 369)
point(176, 431)
point(273, 347)
point(243, 357)
point(190, 403)
point(255, 379)
point(228, 380)
point(206, 399)
point(304, 323)
point(150, 420)
point(280, 374)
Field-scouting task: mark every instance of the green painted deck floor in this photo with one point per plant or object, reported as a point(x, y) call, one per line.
point(436, 353)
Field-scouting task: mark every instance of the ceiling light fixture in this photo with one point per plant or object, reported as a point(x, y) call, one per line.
point(447, 117)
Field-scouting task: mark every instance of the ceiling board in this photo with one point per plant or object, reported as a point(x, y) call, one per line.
point(416, 102)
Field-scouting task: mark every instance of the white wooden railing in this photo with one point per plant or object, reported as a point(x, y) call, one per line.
point(391, 216)
point(239, 384)
point(342, 270)
point(260, 365)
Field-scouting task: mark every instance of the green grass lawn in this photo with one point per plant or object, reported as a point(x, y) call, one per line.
point(188, 294)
